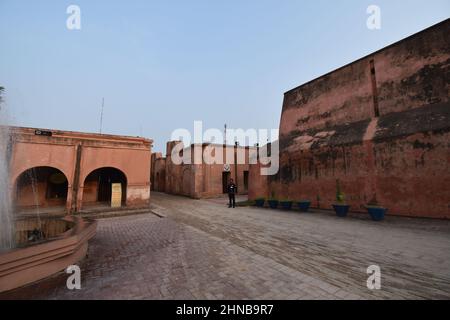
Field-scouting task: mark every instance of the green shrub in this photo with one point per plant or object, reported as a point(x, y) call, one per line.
point(340, 197)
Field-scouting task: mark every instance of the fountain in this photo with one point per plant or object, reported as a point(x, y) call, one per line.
point(6, 220)
point(33, 247)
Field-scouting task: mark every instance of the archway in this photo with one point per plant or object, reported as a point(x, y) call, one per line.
point(98, 186)
point(41, 187)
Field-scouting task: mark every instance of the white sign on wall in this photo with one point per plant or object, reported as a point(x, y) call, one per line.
point(116, 195)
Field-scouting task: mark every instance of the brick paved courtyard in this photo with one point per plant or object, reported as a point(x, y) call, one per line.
point(200, 249)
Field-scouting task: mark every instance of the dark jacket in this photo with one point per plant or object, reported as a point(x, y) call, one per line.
point(232, 189)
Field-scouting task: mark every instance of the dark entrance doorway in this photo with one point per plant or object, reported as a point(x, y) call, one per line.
point(98, 185)
point(225, 181)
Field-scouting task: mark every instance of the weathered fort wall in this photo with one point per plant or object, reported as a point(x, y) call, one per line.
point(380, 125)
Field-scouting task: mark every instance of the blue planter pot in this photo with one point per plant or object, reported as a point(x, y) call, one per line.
point(341, 209)
point(377, 213)
point(304, 205)
point(273, 204)
point(286, 205)
point(260, 202)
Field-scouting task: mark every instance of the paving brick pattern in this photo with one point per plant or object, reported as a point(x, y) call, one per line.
point(200, 249)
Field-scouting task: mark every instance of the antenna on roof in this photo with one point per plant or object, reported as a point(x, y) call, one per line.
point(225, 134)
point(101, 115)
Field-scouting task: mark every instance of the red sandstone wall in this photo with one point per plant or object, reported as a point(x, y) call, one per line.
point(337, 98)
point(410, 175)
point(413, 173)
point(414, 72)
point(383, 133)
point(409, 74)
point(29, 152)
point(258, 184)
point(39, 152)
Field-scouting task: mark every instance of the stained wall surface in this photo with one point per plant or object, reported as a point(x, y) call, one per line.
point(380, 125)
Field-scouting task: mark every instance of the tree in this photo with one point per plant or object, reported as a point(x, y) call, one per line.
point(2, 89)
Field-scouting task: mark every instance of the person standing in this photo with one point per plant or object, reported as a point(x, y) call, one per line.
point(232, 189)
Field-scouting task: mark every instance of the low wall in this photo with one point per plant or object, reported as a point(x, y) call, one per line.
point(25, 265)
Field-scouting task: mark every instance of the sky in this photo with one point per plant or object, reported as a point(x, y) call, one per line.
point(161, 65)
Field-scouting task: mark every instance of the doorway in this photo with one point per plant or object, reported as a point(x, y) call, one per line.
point(225, 181)
point(98, 186)
point(245, 181)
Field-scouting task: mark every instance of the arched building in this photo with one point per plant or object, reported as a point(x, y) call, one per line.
point(74, 170)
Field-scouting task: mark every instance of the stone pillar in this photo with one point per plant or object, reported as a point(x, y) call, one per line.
point(74, 190)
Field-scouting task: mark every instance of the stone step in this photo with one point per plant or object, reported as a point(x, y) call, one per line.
point(114, 213)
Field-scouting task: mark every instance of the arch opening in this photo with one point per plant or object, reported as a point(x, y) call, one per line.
point(41, 187)
point(98, 186)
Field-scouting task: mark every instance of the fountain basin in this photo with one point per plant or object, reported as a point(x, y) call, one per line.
point(64, 243)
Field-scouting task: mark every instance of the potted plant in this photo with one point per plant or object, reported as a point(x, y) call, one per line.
point(273, 202)
point(304, 205)
point(286, 204)
point(259, 202)
point(340, 207)
point(376, 211)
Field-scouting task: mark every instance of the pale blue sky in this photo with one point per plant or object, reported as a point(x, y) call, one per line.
point(163, 64)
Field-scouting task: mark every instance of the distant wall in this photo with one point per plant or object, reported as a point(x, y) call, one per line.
point(158, 174)
point(205, 180)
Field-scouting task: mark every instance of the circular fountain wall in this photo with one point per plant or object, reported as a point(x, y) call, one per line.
point(59, 243)
point(31, 230)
